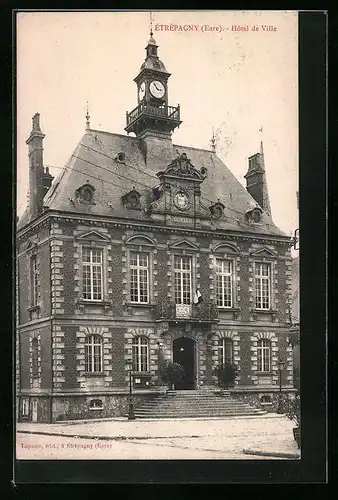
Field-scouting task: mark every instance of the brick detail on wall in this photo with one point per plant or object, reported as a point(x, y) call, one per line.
point(170, 278)
point(255, 337)
point(129, 334)
point(68, 358)
point(234, 336)
point(67, 295)
point(162, 277)
point(57, 275)
point(204, 272)
point(35, 383)
point(58, 357)
point(245, 363)
point(246, 288)
point(118, 361)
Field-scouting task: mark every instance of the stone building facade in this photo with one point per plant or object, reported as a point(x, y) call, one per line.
point(143, 251)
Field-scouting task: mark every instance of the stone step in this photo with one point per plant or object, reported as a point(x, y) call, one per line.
point(195, 415)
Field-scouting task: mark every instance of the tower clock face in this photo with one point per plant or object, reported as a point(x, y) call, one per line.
point(157, 89)
point(181, 200)
point(142, 91)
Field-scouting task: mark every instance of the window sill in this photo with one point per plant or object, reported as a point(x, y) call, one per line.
point(33, 308)
point(90, 302)
point(266, 312)
point(93, 374)
point(264, 373)
point(140, 304)
point(96, 409)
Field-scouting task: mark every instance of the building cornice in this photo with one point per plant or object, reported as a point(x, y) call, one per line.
point(220, 234)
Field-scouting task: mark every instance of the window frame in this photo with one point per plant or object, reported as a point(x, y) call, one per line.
point(222, 350)
point(91, 264)
point(138, 269)
point(90, 357)
point(232, 263)
point(35, 357)
point(261, 355)
point(25, 407)
point(268, 279)
point(137, 344)
point(182, 272)
point(34, 280)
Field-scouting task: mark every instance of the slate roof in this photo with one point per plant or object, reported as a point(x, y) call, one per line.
point(94, 161)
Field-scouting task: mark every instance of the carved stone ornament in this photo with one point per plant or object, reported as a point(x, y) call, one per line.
point(217, 210)
point(131, 200)
point(182, 167)
point(85, 194)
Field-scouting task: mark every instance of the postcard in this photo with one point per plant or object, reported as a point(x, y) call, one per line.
point(157, 273)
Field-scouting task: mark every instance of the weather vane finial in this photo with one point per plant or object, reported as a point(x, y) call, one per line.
point(87, 117)
point(151, 24)
point(213, 140)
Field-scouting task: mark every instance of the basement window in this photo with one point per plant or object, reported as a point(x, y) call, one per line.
point(96, 404)
point(266, 400)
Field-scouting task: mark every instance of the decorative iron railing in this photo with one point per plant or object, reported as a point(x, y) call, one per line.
point(163, 111)
point(205, 311)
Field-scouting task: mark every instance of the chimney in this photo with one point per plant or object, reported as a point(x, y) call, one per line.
point(36, 172)
point(256, 181)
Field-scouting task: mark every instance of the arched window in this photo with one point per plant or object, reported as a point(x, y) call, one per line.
point(140, 354)
point(264, 355)
point(35, 358)
point(93, 354)
point(225, 350)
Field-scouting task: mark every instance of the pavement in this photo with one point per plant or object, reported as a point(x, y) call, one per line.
point(256, 437)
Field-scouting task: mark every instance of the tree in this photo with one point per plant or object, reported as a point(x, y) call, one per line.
point(226, 375)
point(171, 373)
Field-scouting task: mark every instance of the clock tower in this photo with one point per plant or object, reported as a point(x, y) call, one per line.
point(152, 116)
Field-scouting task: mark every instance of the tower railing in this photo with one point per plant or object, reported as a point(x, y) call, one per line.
point(163, 111)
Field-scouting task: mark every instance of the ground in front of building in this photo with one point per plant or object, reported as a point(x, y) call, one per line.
point(223, 439)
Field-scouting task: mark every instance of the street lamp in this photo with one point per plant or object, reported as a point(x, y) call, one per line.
point(280, 368)
point(131, 412)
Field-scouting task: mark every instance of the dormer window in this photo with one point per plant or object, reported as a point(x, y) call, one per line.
point(121, 157)
point(131, 200)
point(217, 210)
point(254, 215)
point(85, 194)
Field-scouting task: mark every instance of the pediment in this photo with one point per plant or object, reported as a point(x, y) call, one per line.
point(183, 168)
point(184, 245)
point(93, 236)
point(263, 252)
point(31, 244)
point(140, 239)
point(226, 248)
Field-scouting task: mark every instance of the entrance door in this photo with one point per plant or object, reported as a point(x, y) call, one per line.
point(34, 410)
point(184, 354)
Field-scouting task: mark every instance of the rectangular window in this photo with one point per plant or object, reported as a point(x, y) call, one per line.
point(263, 355)
point(263, 285)
point(140, 354)
point(92, 269)
point(34, 281)
point(139, 277)
point(25, 407)
point(182, 270)
point(224, 279)
point(226, 351)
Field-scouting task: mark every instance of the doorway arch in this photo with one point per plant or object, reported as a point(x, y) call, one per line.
point(184, 353)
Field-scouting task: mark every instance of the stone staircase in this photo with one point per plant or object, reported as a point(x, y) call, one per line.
point(194, 404)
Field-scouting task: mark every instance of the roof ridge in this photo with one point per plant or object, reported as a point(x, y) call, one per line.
point(192, 147)
point(109, 133)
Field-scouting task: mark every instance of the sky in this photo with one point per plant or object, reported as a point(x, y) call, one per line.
point(241, 84)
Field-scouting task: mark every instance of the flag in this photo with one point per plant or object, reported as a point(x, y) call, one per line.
point(198, 297)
